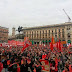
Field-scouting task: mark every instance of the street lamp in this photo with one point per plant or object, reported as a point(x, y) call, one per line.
point(19, 30)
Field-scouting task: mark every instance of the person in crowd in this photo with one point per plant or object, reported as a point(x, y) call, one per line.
point(24, 66)
point(16, 61)
point(53, 66)
point(38, 66)
point(1, 65)
point(65, 69)
point(70, 68)
point(15, 66)
point(5, 64)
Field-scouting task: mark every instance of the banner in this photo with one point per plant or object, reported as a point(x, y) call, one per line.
point(14, 43)
point(45, 65)
point(19, 43)
point(63, 42)
point(5, 44)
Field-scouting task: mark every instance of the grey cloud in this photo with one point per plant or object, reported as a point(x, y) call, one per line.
point(33, 12)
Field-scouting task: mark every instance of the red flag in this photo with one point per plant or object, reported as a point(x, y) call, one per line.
point(51, 46)
point(24, 47)
point(44, 56)
point(52, 40)
point(56, 61)
point(26, 43)
point(1, 66)
point(8, 62)
point(59, 45)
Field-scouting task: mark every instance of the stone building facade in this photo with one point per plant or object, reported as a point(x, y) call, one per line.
point(45, 33)
point(13, 32)
point(3, 34)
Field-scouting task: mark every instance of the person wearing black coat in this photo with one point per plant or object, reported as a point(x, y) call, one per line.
point(5, 65)
point(38, 66)
point(24, 67)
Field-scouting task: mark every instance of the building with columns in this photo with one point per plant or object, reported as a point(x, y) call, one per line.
point(44, 33)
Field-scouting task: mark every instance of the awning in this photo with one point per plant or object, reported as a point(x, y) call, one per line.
point(49, 41)
point(43, 41)
point(69, 41)
point(32, 42)
point(46, 41)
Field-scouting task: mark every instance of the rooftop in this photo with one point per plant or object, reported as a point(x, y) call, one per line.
point(49, 26)
point(3, 27)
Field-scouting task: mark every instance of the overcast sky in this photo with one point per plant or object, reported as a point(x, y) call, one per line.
point(28, 13)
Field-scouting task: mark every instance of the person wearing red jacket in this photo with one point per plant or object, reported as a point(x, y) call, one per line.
point(53, 67)
point(70, 68)
point(1, 66)
point(65, 69)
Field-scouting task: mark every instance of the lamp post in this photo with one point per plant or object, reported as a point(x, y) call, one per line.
point(19, 30)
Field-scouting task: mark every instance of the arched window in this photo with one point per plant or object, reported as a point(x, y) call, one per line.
point(56, 36)
point(52, 32)
point(63, 30)
point(59, 30)
point(68, 35)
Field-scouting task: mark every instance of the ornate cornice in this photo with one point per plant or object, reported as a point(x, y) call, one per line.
point(49, 26)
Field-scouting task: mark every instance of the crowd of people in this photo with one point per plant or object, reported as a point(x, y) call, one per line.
point(13, 60)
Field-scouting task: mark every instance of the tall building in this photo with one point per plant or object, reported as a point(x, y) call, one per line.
point(45, 33)
point(13, 32)
point(3, 34)
point(17, 37)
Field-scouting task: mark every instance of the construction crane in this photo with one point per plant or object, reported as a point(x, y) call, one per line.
point(69, 19)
